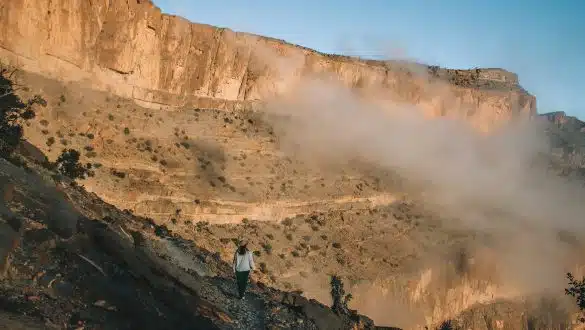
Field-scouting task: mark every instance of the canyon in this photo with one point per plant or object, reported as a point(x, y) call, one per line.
point(182, 123)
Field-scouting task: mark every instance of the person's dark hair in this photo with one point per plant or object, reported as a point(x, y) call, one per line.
point(243, 249)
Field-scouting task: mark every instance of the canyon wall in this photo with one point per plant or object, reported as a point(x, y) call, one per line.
point(128, 47)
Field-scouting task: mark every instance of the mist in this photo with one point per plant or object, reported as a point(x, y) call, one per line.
point(495, 183)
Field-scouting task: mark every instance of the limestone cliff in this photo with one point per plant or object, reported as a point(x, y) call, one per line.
point(133, 50)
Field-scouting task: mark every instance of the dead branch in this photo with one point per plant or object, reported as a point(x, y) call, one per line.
point(125, 233)
point(12, 73)
point(6, 94)
point(92, 263)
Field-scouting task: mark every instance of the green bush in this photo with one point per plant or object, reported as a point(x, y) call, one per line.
point(576, 290)
point(339, 297)
point(68, 164)
point(267, 248)
point(12, 112)
point(118, 174)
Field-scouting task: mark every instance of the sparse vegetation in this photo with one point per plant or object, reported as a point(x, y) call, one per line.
point(576, 290)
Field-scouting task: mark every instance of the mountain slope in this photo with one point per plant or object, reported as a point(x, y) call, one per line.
point(71, 260)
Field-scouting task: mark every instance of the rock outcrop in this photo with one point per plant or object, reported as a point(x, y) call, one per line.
point(566, 134)
point(133, 50)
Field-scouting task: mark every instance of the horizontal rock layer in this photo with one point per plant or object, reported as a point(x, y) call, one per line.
point(130, 48)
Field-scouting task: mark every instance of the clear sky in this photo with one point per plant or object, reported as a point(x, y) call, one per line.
point(543, 41)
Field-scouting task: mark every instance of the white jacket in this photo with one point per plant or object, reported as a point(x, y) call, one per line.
point(243, 263)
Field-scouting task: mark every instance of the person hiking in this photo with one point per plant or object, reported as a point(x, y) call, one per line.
point(243, 264)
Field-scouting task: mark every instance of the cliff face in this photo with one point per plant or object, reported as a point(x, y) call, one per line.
point(133, 50)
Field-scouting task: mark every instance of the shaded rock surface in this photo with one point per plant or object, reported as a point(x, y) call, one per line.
point(567, 141)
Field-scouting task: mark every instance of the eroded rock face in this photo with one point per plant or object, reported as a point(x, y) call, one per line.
point(133, 50)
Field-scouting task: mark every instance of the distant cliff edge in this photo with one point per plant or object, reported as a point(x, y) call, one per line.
point(133, 50)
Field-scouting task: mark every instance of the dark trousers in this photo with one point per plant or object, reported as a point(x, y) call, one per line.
point(242, 281)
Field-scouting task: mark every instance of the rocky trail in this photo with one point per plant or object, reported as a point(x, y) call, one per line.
point(222, 211)
point(250, 311)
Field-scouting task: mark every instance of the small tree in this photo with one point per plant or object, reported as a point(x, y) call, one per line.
point(12, 112)
point(447, 325)
point(576, 290)
point(68, 164)
point(340, 298)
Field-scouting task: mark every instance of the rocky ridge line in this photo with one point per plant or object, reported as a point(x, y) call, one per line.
point(133, 50)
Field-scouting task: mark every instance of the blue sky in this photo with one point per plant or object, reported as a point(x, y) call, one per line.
point(542, 41)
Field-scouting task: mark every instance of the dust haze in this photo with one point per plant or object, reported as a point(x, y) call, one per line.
point(496, 183)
